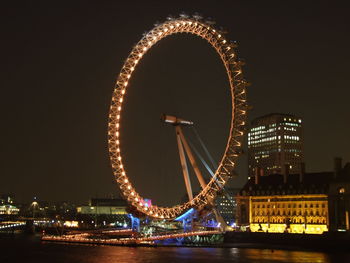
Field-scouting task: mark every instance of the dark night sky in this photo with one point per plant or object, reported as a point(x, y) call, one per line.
point(59, 60)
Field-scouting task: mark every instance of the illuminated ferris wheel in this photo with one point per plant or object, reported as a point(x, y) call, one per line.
point(227, 52)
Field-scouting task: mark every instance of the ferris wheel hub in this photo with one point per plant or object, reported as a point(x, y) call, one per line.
point(175, 120)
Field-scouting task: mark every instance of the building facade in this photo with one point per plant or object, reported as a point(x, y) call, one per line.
point(310, 203)
point(105, 211)
point(7, 206)
point(339, 197)
point(277, 204)
point(275, 144)
point(226, 205)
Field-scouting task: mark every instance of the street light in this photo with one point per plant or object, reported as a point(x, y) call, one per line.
point(34, 205)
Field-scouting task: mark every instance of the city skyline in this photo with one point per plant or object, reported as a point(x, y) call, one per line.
point(60, 63)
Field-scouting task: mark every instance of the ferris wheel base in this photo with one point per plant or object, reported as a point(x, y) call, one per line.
point(205, 218)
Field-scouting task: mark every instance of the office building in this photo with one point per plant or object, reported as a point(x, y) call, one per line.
point(7, 206)
point(275, 145)
point(105, 211)
point(226, 205)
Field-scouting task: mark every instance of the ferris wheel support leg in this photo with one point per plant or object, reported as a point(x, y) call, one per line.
point(184, 164)
point(220, 219)
point(191, 157)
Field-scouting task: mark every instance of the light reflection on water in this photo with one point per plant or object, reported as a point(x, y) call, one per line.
point(14, 250)
point(268, 255)
point(97, 254)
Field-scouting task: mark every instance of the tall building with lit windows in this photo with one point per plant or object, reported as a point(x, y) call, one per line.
point(275, 145)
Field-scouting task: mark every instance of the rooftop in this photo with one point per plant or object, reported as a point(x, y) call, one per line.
point(309, 183)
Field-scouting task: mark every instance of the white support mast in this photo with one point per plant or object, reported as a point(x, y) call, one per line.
point(184, 163)
point(183, 146)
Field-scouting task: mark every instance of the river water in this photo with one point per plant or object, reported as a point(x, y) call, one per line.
point(28, 249)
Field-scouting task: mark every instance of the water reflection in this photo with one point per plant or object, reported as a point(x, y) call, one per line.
point(25, 250)
point(268, 255)
point(183, 255)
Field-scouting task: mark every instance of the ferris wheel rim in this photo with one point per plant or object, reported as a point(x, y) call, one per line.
point(226, 51)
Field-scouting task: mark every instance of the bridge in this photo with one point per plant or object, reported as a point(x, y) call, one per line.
point(25, 224)
point(11, 225)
